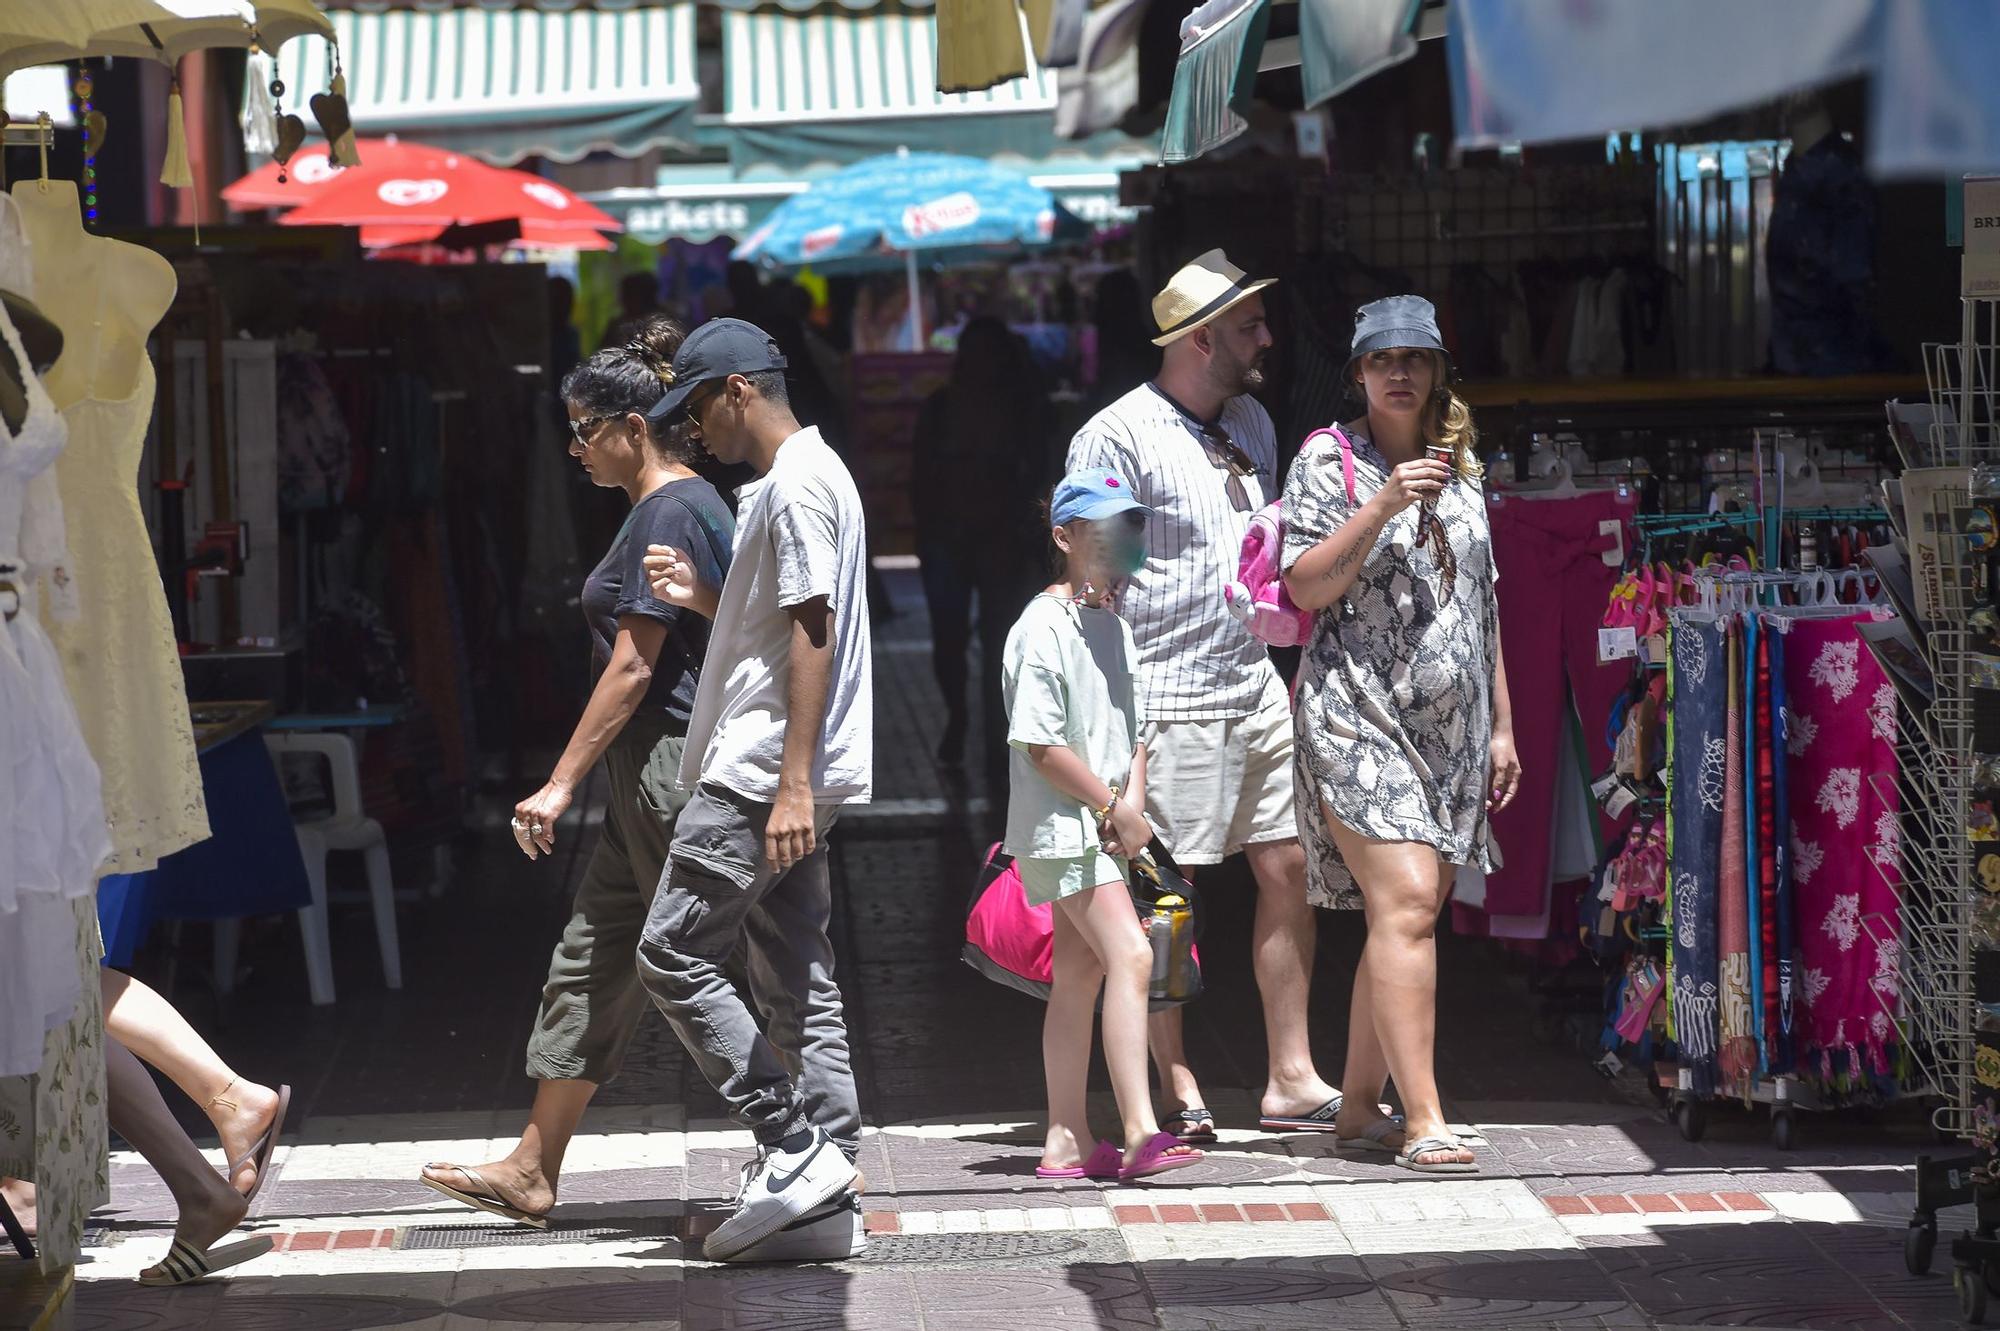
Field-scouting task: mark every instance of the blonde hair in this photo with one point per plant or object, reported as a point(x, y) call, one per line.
point(1447, 423)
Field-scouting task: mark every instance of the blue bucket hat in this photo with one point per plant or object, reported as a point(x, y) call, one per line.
point(1092, 494)
point(1397, 321)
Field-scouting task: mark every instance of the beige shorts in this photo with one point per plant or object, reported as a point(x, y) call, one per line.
point(1214, 787)
point(1048, 880)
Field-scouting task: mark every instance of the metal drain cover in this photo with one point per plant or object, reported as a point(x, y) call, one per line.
point(1027, 1248)
point(501, 1236)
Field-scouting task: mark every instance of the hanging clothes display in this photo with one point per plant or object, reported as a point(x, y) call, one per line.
point(1736, 1057)
point(1841, 714)
point(1698, 702)
point(1553, 587)
point(121, 661)
point(1779, 1036)
point(52, 832)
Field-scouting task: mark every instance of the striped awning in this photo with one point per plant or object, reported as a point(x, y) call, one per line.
point(503, 85)
point(783, 67)
point(807, 90)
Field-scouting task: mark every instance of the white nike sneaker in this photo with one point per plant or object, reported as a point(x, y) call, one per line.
point(789, 1184)
point(832, 1233)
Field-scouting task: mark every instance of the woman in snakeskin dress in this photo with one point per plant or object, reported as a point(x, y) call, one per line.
point(1404, 734)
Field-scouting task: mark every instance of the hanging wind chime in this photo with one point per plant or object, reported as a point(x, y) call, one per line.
point(272, 129)
point(94, 124)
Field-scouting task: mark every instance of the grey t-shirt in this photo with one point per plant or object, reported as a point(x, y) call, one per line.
point(689, 515)
point(800, 535)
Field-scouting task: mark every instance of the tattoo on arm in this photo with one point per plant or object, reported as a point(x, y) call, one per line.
point(1353, 554)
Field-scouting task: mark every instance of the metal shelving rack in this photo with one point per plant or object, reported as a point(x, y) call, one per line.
point(1939, 1005)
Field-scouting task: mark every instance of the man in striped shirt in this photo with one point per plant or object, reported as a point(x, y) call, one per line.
point(1218, 729)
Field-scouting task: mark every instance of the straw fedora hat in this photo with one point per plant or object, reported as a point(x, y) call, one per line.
point(1198, 293)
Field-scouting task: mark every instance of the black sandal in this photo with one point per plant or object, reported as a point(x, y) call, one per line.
point(1197, 1126)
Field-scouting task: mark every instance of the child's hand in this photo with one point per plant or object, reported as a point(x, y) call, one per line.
point(1126, 832)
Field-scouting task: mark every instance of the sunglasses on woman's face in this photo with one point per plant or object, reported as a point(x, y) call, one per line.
point(581, 427)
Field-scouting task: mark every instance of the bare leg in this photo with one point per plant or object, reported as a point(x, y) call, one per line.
point(1067, 1028)
point(1284, 937)
point(149, 1026)
point(1105, 918)
point(1404, 885)
point(209, 1207)
point(1367, 1073)
point(1178, 1087)
point(526, 1177)
point(1165, 1036)
point(19, 1195)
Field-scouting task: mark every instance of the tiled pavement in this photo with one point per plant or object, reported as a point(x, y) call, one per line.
point(1591, 1210)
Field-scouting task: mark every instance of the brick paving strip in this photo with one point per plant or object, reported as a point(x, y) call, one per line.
point(1677, 1203)
point(1166, 1213)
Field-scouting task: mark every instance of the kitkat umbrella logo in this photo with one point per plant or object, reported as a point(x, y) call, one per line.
point(411, 193)
point(546, 195)
point(950, 213)
point(819, 242)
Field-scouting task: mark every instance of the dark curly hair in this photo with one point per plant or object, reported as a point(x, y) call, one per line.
point(632, 377)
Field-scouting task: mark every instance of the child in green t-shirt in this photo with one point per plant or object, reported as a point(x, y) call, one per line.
point(1076, 813)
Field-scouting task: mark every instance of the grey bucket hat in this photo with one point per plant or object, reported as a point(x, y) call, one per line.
point(1397, 321)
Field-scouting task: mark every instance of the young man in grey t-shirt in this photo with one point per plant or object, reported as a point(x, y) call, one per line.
point(781, 739)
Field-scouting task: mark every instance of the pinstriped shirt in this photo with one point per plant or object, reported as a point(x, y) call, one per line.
point(1196, 662)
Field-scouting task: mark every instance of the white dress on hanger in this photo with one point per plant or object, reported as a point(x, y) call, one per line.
point(52, 833)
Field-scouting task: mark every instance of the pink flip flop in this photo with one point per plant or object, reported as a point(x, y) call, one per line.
point(1153, 1158)
point(1104, 1162)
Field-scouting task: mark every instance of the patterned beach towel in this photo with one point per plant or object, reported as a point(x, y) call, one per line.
point(1737, 1058)
point(1697, 690)
point(1779, 1046)
point(1845, 843)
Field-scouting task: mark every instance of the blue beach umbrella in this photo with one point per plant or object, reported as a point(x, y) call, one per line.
point(905, 205)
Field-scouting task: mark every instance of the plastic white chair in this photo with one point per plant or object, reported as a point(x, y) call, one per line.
point(347, 828)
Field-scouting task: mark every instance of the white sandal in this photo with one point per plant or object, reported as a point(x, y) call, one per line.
point(1423, 1146)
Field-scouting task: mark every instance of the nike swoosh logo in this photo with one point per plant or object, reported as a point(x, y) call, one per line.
point(776, 1182)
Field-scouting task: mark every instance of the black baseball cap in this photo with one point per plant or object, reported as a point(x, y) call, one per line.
point(716, 350)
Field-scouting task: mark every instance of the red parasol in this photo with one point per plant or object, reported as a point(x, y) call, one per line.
point(447, 189)
point(533, 234)
point(309, 173)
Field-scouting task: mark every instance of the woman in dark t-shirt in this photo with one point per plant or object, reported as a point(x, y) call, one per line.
point(648, 658)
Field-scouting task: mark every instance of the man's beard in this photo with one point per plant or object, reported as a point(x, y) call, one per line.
point(1248, 376)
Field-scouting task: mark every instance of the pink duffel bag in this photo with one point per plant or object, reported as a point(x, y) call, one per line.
point(1013, 943)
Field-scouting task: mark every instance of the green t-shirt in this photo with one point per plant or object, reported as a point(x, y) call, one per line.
point(1070, 673)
